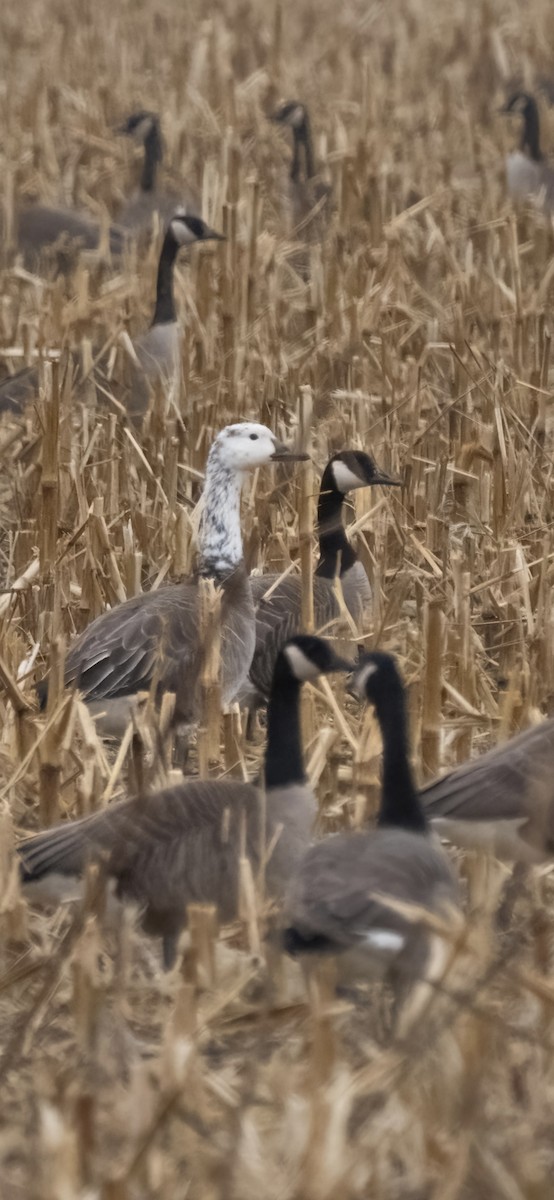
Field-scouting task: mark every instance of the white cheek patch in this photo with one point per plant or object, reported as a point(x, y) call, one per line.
point(300, 665)
point(144, 127)
point(361, 677)
point(345, 479)
point(297, 117)
point(385, 941)
point(182, 234)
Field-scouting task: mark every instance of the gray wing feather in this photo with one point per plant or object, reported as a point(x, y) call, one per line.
point(499, 785)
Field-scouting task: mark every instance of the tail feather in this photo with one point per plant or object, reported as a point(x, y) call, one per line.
point(64, 850)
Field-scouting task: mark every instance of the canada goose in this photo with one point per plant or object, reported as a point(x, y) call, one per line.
point(51, 238)
point(502, 802)
point(528, 175)
point(280, 614)
point(182, 845)
point(310, 196)
point(153, 639)
point(158, 351)
point(150, 199)
point(335, 904)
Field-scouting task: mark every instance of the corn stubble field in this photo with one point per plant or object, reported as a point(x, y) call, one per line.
point(418, 330)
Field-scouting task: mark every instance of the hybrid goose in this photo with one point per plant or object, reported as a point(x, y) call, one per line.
point(309, 194)
point(502, 802)
point(150, 199)
point(183, 845)
point(529, 176)
point(158, 351)
point(153, 639)
point(336, 901)
point(279, 615)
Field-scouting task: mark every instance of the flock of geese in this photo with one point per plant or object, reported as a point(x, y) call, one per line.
point(347, 896)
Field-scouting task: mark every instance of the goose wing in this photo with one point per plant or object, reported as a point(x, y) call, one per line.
point(335, 898)
point(125, 649)
point(499, 785)
point(17, 390)
point(166, 850)
point(279, 617)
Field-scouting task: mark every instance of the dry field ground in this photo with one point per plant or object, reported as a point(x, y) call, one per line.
point(419, 330)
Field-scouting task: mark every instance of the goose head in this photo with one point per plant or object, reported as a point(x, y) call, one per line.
point(140, 125)
point(350, 469)
point(184, 229)
point(291, 113)
point(525, 105)
point(246, 446)
point(305, 657)
point(375, 678)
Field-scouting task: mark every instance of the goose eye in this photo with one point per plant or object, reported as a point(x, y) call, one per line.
point(253, 437)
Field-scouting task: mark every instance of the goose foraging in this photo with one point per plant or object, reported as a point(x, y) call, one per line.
point(501, 802)
point(528, 175)
point(179, 847)
point(154, 637)
point(279, 615)
point(337, 900)
point(150, 199)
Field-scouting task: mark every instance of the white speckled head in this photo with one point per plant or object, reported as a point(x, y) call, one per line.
point(236, 449)
point(246, 445)
point(291, 113)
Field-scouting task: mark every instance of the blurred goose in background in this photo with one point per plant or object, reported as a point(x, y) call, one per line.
point(309, 194)
point(501, 802)
point(336, 904)
point(153, 640)
point(150, 199)
point(528, 175)
point(279, 615)
point(157, 352)
point(183, 845)
point(50, 239)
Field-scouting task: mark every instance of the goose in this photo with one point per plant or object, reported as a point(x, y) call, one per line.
point(310, 196)
point(152, 640)
point(335, 902)
point(157, 351)
point(182, 845)
point(49, 237)
point(501, 802)
point(279, 615)
point(528, 175)
point(150, 200)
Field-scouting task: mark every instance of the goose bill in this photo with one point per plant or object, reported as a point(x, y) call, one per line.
point(282, 453)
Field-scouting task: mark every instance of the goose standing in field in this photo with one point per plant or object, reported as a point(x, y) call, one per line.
point(157, 352)
point(279, 615)
point(150, 199)
point(183, 845)
point(502, 802)
point(152, 640)
point(335, 906)
point(310, 195)
point(529, 176)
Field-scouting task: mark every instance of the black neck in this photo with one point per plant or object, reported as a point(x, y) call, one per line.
point(334, 547)
point(165, 312)
point(530, 132)
point(302, 146)
point(284, 763)
point(152, 156)
point(400, 804)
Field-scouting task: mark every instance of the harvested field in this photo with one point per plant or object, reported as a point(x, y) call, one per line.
point(412, 319)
